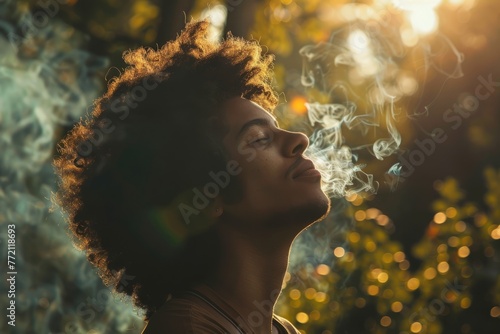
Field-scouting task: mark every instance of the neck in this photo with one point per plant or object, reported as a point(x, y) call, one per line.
point(250, 274)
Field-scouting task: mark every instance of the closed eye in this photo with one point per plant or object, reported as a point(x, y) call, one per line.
point(261, 140)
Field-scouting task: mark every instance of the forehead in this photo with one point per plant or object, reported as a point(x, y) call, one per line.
point(237, 111)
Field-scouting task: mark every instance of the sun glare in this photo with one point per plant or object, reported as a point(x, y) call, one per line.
point(424, 20)
point(411, 5)
point(421, 14)
point(360, 46)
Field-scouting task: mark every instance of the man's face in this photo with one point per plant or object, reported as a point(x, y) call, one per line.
point(278, 184)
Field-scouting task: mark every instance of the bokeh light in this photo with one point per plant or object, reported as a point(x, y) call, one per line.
point(451, 212)
point(430, 273)
point(373, 290)
point(397, 307)
point(298, 105)
point(463, 251)
point(385, 321)
point(443, 267)
point(413, 283)
point(424, 20)
point(339, 251)
point(302, 317)
point(495, 312)
point(416, 327)
point(439, 218)
point(323, 269)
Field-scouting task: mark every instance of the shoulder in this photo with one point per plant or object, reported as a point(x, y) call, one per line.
point(287, 324)
point(183, 316)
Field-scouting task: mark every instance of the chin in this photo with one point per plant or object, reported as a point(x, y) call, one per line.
point(318, 205)
point(312, 212)
point(321, 209)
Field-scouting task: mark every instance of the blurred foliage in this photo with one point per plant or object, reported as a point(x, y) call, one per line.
point(373, 288)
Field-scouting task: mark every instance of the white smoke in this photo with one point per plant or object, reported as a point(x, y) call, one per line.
point(364, 91)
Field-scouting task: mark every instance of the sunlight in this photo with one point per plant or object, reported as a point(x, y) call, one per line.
point(424, 20)
point(412, 5)
point(217, 16)
point(421, 14)
point(359, 44)
point(456, 2)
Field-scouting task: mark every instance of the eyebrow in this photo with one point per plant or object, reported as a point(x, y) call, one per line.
point(256, 122)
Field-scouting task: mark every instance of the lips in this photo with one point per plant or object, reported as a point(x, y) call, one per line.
point(304, 168)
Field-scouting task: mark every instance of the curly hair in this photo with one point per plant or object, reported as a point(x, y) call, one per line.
point(149, 139)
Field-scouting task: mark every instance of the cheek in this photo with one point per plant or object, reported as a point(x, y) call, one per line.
point(262, 171)
point(266, 190)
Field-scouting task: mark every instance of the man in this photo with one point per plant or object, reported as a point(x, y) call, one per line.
point(183, 180)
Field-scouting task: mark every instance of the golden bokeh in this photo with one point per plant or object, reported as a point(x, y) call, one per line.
point(397, 307)
point(495, 234)
point(413, 283)
point(416, 327)
point(298, 105)
point(358, 201)
point(453, 241)
point(495, 312)
point(463, 251)
point(302, 317)
point(399, 256)
point(372, 213)
point(315, 315)
point(373, 290)
point(460, 226)
point(443, 267)
point(430, 273)
point(339, 251)
point(404, 265)
point(383, 277)
point(310, 293)
point(385, 321)
point(439, 218)
point(294, 294)
point(382, 220)
point(360, 215)
point(387, 258)
point(370, 246)
point(465, 302)
point(323, 269)
point(451, 212)
point(442, 248)
point(354, 237)
point(320, 297)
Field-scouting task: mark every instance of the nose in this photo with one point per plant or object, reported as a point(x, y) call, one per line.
point(296, 143)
